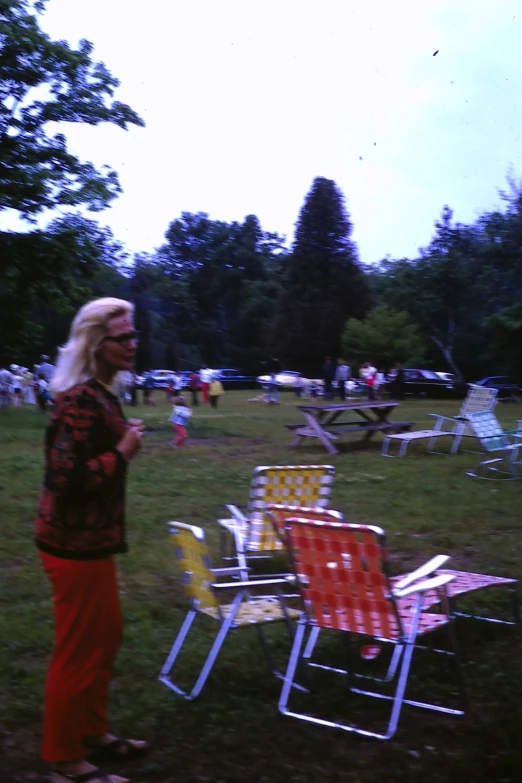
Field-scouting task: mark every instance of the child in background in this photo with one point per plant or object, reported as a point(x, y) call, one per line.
point(43, 394)
point(214, 392)
point(179, 417)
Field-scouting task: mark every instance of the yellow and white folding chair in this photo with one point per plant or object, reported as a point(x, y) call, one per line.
point(204, 591)
point(252, 534)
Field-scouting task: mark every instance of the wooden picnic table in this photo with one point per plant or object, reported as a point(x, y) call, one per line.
point(327, 422)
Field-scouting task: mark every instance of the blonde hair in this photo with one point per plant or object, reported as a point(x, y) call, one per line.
point(77, 358)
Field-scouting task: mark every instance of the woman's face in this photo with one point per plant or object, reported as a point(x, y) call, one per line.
point(117, 350)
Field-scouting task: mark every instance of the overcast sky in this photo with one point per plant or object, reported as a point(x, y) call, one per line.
point(246, 102)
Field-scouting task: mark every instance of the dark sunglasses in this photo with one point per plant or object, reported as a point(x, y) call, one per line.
point(124, 339)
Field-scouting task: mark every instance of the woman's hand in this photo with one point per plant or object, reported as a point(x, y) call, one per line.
point(131, 442)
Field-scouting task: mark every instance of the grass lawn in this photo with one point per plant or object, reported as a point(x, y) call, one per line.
point(233, 732)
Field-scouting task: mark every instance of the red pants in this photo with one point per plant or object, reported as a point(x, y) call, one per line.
point(204, 391)
point(88, 629)
point(181, 434)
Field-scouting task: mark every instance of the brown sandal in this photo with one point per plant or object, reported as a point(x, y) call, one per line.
point(94, 774)
point(118, 750)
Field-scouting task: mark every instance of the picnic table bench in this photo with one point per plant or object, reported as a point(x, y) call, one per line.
point(326, 423)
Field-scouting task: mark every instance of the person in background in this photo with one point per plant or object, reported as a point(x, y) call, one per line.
point(398, 383)
point(43, 395)
point(46, 368)
point(80, 526)
point(16, 386)
point(328, 374)
point(298, 386)
point(342, 374)
point(6, 378)
point(205, 376)
point(365, 375)
point(274, 367)
point(379, 384)
point(29, 395)
point(148, 389)
point(133, 389)
point(178, 383)
point(215, 391)
point(181, 413)
point(371, 381)
point(122, 389)
point(194, 386)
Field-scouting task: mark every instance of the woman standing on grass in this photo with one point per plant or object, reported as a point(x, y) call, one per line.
point(80, 527)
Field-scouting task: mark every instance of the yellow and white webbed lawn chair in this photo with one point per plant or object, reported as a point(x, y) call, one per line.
point(252, 533)
point(204, 591)
point(342, 572)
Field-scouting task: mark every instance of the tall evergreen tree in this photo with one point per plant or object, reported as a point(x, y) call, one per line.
point(324, 285)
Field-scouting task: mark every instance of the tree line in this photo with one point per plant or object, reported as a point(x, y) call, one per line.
point(227, 293)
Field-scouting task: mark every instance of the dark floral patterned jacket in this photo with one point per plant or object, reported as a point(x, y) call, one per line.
point(81, 515)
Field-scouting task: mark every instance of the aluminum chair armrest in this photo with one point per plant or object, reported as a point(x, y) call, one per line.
point(424, 570)
point(237, 513)
point(230, 571)
point(427, 584)
point(253, 583)
point(444, 418)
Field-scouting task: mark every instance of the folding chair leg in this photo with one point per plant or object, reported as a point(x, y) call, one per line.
point(515, 604)
point(401, 661)
point(225, 541)
point(395, 660)
point(267, 651)
point(398, 698)
point(164, 676)
point(457, 667)
point(456, 443)
point(293, 660)
point(175, 650)
point(312, 640)
point(232, 547)
point(241, 554)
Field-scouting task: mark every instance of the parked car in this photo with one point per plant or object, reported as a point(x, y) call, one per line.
point(427, 383)
point(185, 374)
point(234, 379)
point(161, 378)
point(285, 379)
point(506, 386)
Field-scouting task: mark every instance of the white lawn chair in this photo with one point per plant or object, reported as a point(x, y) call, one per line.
point(502, 448)
point(478, 398)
